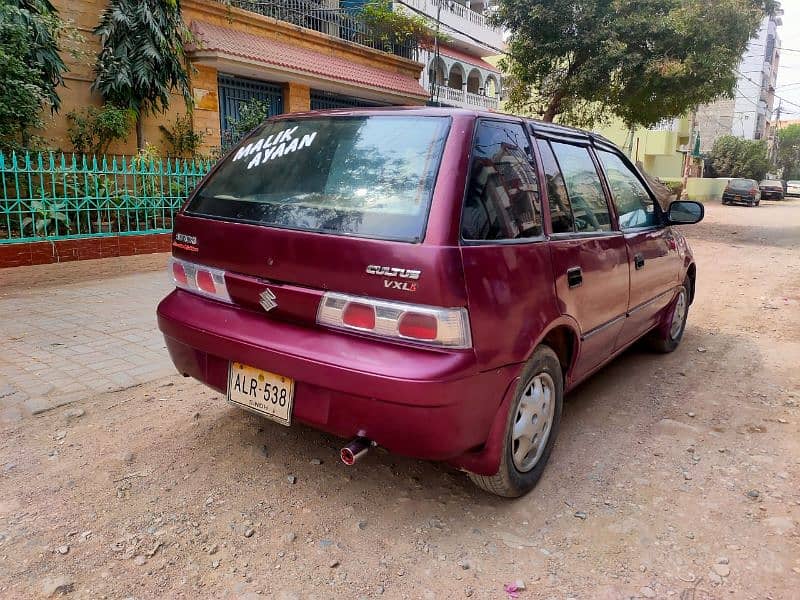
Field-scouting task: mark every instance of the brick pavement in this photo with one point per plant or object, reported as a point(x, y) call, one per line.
point(69, 331)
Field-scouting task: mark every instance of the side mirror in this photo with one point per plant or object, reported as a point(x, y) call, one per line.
point(685, 212)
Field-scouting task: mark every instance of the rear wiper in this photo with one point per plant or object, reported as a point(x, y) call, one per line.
point(225, 197)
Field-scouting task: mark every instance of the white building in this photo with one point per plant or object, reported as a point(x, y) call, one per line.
point(459, 76)
point(750, 113)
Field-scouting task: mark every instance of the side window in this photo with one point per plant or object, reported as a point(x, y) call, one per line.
point(502, 201)
point(589, 206)
point(634, 204)
point(560, 209)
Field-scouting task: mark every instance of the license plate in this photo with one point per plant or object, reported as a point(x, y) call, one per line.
point(738, 198)
point(266, 393)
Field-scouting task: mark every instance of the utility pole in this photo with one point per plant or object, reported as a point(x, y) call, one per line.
point(434, 88)
point(688, 158)
point(774, 149)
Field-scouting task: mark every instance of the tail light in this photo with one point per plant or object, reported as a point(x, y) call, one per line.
point(442, 327)
point(202, 280)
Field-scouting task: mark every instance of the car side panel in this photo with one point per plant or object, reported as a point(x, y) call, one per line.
point(655, 267)
point(600, 302)
point(511, 299)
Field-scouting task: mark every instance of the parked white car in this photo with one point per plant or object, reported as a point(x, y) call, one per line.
point(793, 188)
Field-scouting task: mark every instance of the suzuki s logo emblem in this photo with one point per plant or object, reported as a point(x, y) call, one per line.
point(267, 300)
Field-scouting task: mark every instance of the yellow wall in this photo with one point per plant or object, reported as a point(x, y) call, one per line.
point(76, 94)
point(704, 189)
point(658, 151)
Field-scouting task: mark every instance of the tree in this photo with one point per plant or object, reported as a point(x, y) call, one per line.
point(142, 59)
point(30, 67)
point(640, 60)
point(789, 152)
point(736, 157)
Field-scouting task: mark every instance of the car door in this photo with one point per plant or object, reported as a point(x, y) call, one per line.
point(654, 264)
point(506, 260)
point(589, 256)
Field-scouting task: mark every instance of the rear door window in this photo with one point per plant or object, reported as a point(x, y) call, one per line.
point(502, 200)
point(586, 195)
point(635, 205)
point(561, 217)
point(367, 176)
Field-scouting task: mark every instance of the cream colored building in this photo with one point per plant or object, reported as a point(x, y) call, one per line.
point(660, 149)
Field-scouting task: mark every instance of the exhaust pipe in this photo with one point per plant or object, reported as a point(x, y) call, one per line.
point(355, 450)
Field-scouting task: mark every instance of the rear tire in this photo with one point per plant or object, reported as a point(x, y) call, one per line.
point(531, 427)
point(667, 342)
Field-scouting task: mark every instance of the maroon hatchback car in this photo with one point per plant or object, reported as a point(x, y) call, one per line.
point(428, 280)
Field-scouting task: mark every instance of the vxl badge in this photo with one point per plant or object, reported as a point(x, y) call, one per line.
point(267, 300)
point(396, 273)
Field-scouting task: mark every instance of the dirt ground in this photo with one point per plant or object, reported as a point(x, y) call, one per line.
point(674, 476)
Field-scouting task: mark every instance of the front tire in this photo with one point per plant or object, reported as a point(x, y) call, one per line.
point(531, 427)
point(666, 339)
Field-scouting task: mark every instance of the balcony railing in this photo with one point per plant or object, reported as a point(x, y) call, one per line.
point(454, 97)
point(459, 18)
point(448, 6)
point(345, 24)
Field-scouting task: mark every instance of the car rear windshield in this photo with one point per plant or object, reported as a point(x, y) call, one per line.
point(742, 184)
point(367, 176)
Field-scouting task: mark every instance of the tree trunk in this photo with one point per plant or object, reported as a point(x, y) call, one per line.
point(139, 133)
point(554, 106)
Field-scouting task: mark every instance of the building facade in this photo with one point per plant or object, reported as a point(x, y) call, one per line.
point(456, 73)
point(750, 113)
point(661, 149)
point(295, 55)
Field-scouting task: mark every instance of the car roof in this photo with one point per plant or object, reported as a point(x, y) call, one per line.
point(539, 127)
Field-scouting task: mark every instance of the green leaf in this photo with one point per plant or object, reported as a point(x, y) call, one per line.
point(639, 60)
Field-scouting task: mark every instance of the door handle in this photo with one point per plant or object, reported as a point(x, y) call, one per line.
point(638, 261)
point(574, 277)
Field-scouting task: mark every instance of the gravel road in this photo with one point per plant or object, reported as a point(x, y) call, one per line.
point(674, 476)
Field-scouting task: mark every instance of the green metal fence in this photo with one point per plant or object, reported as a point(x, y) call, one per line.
point(48, 196)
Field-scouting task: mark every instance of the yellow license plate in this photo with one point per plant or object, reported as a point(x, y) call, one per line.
point(266, 393)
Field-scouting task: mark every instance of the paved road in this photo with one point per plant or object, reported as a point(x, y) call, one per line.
point(73, 330)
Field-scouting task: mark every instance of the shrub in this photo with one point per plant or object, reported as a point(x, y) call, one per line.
point(181, 137)
point(92, 130)
point(251, 114)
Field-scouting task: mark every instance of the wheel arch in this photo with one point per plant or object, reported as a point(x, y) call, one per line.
point(562, 336)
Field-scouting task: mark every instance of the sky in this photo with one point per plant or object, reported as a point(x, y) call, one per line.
point(788, 82)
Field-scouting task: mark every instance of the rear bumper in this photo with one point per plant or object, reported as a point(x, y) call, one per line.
point(742, 198)
point(423, 403)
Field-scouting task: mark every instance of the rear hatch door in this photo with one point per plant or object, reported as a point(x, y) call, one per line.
point(340, 203)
